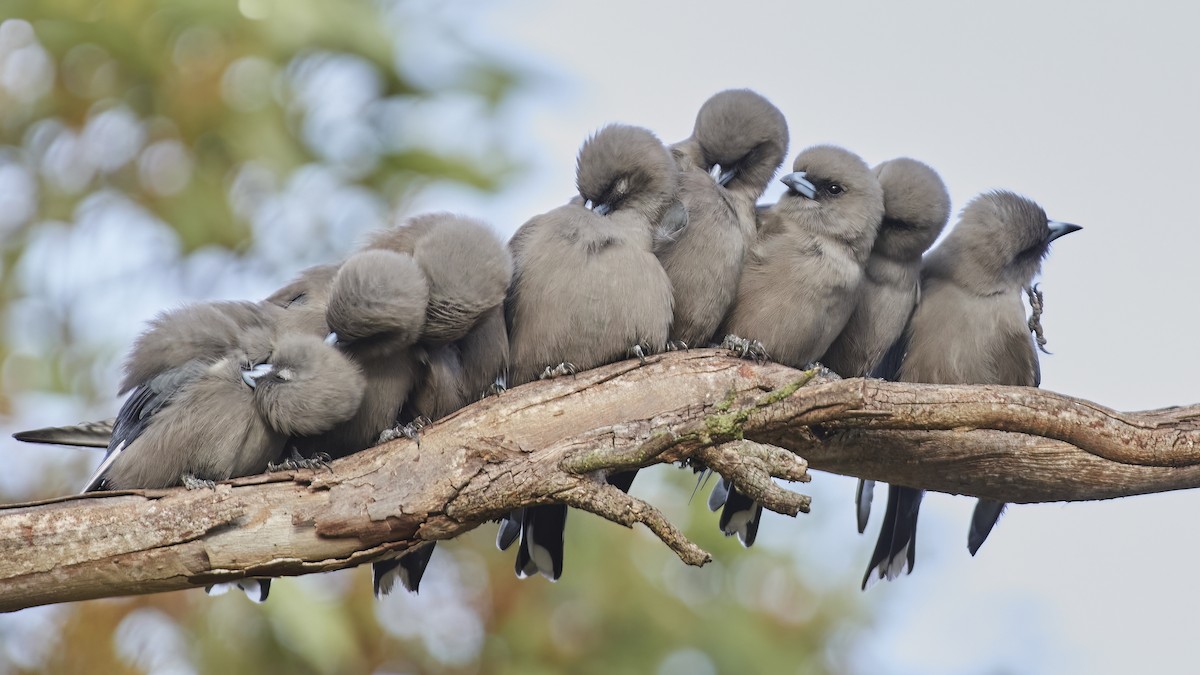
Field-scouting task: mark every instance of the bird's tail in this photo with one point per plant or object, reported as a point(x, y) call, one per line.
point(740, 514)
point(987, 512)
point(82, 435)
point(862, 502)
point(896, 550)
point(255, 588)
point(541, 549)
point(407, 569)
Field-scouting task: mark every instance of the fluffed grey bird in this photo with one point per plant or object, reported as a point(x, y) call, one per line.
point(801, 279)
point(802, 276)
point(466, 267)
point(464, 342)
point(916, 207)
point(173, 340)
point(375, 312)
point(220, 415)
point(214, 419)
point(741, 138)
point(587, 289)
point(202, 331)
point(969, 328)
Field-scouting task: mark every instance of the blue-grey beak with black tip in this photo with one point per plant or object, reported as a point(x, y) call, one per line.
point(601, 209)
point(721, 175)
point(1058, 229)
point(798, 182)
point(250, 375)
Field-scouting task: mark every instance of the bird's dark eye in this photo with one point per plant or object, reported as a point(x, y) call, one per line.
point(835, 189)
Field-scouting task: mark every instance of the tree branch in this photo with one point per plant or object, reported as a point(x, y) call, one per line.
point(553, 441)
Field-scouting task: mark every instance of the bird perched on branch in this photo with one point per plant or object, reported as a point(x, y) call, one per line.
point(199, 411)
point(916, 207)
point(374, 308)
point(736, 146)
point(801, 278)
point(587, 290)
point(463, 347)
point(969, 328)
point(468, 271)
point(205, 331)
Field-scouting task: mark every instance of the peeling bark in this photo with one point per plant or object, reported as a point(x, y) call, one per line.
point(553, 441)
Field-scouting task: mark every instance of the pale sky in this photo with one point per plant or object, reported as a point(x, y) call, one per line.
point(1091, 109)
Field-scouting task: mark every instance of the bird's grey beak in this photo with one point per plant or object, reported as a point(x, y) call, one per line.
point(725, 176)
point(1058, 229)
point(798, 182)
point(250, 377)
point(331, 339)
point(599, 209)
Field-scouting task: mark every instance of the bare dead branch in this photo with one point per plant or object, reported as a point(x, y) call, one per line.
point(553, 441)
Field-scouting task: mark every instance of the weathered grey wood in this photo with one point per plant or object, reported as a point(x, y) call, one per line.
point(551, 441)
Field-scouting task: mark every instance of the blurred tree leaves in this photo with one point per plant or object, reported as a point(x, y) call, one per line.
point(227, 81)
point(214, 120)
point(156, 150)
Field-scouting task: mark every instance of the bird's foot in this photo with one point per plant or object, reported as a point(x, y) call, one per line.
point(640, 351)
point(411, 431)
point(677, 346)
point(495, 389)
point(746, 349)
point(561, 369)
point(296, 461)
point(1036, 306)
point(388, 435)
point(191, 482)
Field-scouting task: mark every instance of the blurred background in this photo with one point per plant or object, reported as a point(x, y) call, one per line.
point(154, 152)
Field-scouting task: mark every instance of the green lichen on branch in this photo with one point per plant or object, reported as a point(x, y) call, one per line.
point(729, 426)
point(787, 390)
point(606, 458)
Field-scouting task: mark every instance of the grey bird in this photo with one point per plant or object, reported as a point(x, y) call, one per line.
point(218, 416)
point(587, 290)
point(173, 340)
point(466, 267)
point(372, 307)
point(214, 419)
point(736, 146)
point(916, 207)
point(375, 312)
point(468, 271)
point(203, 331)
point(801, 279)
point(464, 343)
point(969, 328)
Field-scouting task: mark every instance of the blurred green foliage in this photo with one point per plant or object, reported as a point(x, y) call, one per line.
point(174, 106)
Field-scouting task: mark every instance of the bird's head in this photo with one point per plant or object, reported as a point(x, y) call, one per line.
point(916, 207)
point(999, 243)
point(377, 304)
point(835, 193)
point(626, 168)
point(305, 386)
point(743, 138)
